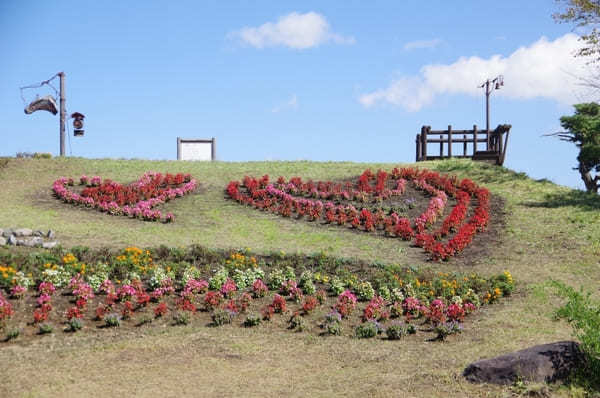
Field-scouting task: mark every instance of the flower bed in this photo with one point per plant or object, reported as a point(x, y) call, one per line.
point(135, 200)
point(305, 200)
point(136, 287)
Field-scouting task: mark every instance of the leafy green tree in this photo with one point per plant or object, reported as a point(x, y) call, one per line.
point(585, 14)
point(583, 129)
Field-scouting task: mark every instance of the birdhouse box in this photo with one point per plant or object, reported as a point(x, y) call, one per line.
point(77, 124)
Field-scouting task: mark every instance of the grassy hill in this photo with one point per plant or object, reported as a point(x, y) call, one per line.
point(539, 231)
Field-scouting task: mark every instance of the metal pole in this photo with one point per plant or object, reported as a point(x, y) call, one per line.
point(487, 113)
point(63, 112)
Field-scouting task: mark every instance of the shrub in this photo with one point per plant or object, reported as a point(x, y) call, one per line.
point(228, 288)
point(212, 300)
point(12, 334)
point(305, 277)
point(385, 293)
point(160, 310)
point(217, 281)
point(252, 320)
point(297, 322)
point(346, 303)
point(45, 328)
point(396, 330)
point(259, 288)
point(309, 287)
point(337, 286)
point(181, 317)
point(333, 323)
point(222, 317)
point(276, 279)
point(366, 330)
point(111, 320)
point(446, 329)
point(144, 319)
point(365, 291)
point(584, 316)
point(278, 304)
point(334, 328)
point(321, 295)
point(75, 324)
point(310, 303)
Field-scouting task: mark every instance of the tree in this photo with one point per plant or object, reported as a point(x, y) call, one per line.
point(583, 129)
point(585, 14)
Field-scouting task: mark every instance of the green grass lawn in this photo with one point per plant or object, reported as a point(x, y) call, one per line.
point(546, 231)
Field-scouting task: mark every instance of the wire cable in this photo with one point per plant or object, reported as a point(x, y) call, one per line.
point(45, 82)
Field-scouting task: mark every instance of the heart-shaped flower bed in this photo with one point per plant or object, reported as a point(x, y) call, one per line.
point(135, 200)
point(343, 201)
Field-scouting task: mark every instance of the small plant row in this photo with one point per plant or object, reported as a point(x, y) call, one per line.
point(135, 200)
point(398, 301)
point(304, 199)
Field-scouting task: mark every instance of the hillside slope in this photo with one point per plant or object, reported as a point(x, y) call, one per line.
point(544, 231)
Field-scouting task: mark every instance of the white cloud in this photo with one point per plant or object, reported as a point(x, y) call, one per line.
point(292, 103)
point(299, 31)
point(419, 44)
point(545, 69)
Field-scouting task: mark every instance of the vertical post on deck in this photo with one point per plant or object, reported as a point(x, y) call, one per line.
point(213, 149)
point(474, 139)
point(449, 141)
point(464, 145)
point(424, 143)
point(418, 145)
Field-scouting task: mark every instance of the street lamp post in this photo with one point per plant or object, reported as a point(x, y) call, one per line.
point(490, 85)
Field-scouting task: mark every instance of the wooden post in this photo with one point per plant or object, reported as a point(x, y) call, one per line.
point(441, 146)
point(178, 148)
point(464, 145)
point(213, 149)
point(449, 141)
point(498, 133)
point(474, 139)
point(418, 145)
point(63, 112)
point(424, 143)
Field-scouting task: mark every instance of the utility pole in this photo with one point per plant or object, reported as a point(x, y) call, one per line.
point(495, 84)
point(63, 112)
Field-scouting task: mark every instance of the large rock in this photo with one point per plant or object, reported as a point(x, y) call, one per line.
point(50, 234)
point(23, 232)
point(7, 233)
point(2, 241)
point(542, 363)
point(12, 240)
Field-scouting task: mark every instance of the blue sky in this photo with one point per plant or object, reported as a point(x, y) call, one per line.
point(290, 80)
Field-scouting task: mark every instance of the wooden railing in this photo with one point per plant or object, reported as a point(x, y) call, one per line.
point(484, 145)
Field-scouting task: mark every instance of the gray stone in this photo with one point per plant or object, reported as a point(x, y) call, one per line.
point(35, 241)
point(23, 232)
point(38, 233)
point(542, 363)
point(7, 233)
point(49, 245)
point(1, 232)
point(2, 241)
point(12, 240)
point(20, 242)
point(50, 234)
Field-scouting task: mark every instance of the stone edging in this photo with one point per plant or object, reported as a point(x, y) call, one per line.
point(28, 237)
